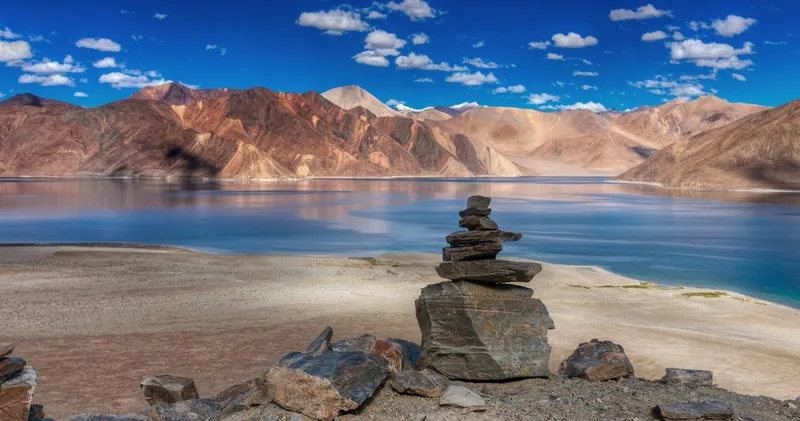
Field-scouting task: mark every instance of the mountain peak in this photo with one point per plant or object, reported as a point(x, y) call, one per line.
point(30, 100)
point(352, 96)
point(174, 93)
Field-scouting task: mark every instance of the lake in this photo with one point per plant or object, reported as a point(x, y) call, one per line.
point(745, 242)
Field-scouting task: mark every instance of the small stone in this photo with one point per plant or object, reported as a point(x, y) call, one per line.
point(372, 345)
point(6, 350)
point(322, 343)
point(168, 389)
point(36, 413)
point(474, 212)
point(16, 394)
point(462, 397)
point(689, 377)
point(190, 410)
point(597, 361)
point(477, 223)
point(708, 410)
point(410, 352)
point(478, 201)
point(9, 367)
point(470, 238)
point(425, 383)
point(493, 271)
point(107, 417)
point(235, 396)
point(487, 251)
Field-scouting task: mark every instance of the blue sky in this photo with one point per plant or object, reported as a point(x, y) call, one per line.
point(535, 54)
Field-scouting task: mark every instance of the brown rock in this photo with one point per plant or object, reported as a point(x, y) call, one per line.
point(16, 395)
point(475, 212)
point(477, 223)
point(168, 389)
point(493, 271)
point(469, 238)
point(486, 251)
point(9, 367)
point(189, 410)
point(6, 350)
point(427, 383)
point(690, 377)
point(410, 352)
point(322, 343)
point(236, 395)
point(708, 410)
point(597, 361)
point(372, 345)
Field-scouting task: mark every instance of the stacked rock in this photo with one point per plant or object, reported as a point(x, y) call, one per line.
point(476, 326)
point(18, 383)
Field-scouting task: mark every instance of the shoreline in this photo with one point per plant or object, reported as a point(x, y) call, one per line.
point(720, 190)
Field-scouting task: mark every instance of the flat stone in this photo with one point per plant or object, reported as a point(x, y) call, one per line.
point(462, 397)
point(16, 395)
point(597, 361)
point(427, 383)
point(493, 271)
point(477, 223)
point(690, 377)
point(410, 352)
point(322, 343)
point(708, 410)
point(6, 350)
point(470, 238)
point(108, 417)
point(487, 251)
point(36, 413)
point(168, 389)
point(190, 410)
point(242, 396)
point(372, 345)
point(9, 367)
point(479, 331)
point(478, 201)
point(320, 386)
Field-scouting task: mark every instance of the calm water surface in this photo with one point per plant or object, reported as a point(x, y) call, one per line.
point(739, 241)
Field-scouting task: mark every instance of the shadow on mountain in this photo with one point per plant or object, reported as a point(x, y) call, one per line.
point(196, 172)
point(767, 178)
point(644, 152)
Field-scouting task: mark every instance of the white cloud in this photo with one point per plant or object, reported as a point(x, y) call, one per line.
point(394, 102)
point(710, 76)
point(105, 63)
point(160, 16)
point(424, 80)
point(14, 51)
point(80, 94)
point(127, 12)
point(8, 34)
point(102, 44)
point(384, 43)
point(587, 62)
point(732, 25)
point(2, 94)
point(333, 22)
point(539, 99)
point(775, 42)
point(643, 12)
point(472, 79)
point(84, 80)
point(559, 83)
point(541, 45)
point(419, 39)
point(423, 62)
point(591, 106)
point(654, 36)
point(588, 87)
point(374, 14)
point(696, 26)
point(222, 50)
point(739, 77)
point(49, 67)
point(153, 73)
point(414, 9)
point(49, 80)
point(661, 85)
point(479, 44)
point(516, 89)
point(573, 40)
point(136, 37)
point(697, 49)
point(210, 47)
point(677, 36)
point(657, 91)
point(724, 63)
point(122, 80)
point(371, 58)
point(479, 63)
point(37, 38)
point(579, 73)
point(403, 107)
point(554, 56)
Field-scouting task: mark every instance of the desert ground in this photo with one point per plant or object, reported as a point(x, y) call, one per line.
point(95, 321)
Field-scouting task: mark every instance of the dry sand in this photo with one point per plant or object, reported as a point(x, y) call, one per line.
point(95, 321)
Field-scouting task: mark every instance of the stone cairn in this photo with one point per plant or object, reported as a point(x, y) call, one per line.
point(18, 383)
point(476, 326)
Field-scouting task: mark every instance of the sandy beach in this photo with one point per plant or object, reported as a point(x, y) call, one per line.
point(95, 321)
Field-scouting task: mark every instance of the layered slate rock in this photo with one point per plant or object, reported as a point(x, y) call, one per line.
point(322, 343)
point(242, 396)
point(108, 417)
point(470, 238)
point(597, 361)
point(425, 383)
point(477, 223)
point(168, 389)
point(479, 331)
point(9, 367)
point(16, 394)
point(708, 410)
point(6, 350)
point(190, 410)
point(321, 386)
point(410, 352)
point(485, 251)
point(689, 377)
point(372, 345)
point(494, 271)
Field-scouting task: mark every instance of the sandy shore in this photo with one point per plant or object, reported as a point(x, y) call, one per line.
point(95, 321)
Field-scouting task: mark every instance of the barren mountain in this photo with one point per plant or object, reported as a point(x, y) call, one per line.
point(352, 96)
point(177, 94)
point(431, 114)
point(758, 151)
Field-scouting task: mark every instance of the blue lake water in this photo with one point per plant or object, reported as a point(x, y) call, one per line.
point(746, 242)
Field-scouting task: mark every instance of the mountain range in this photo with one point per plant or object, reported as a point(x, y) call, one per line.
point(173, 130)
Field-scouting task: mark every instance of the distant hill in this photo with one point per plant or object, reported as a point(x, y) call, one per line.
point(31, 100)
point(348, 97)
point(177, 94)
point(458, 109)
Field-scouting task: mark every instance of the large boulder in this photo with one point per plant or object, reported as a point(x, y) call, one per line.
point(494, 271)
point(485, 251)
point(477, 331)
point(168, 389)
point(16, 394)
point(690, 377)
point(708, 410)
point(427, 383)
point(410, 352)
point(597, 361)
point(470, 238)
point(477, 223)
point(372, 345)
point(321, 386)
point(9, 367)
point(191, 410)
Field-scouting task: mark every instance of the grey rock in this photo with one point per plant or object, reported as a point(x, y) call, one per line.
point(372, 345)
point(477, 223)
point(470, 238)
point(478, 331)
point(359, 343)
point(487, 251)
point(322, 343)
point(462, 397)
point(597, 361)
point(242, 396)
point(191, 410)
point(478, 201)
point(36, 413)
point(474, 212)
point(168, 389)
point(708, 410)
point(425, 383)
point(690, 377)
point(494, 271)
point(410, 352)
point(320, 386)
point(107, 417)
point(9, 367)
point(16, 394)
point(6, 350)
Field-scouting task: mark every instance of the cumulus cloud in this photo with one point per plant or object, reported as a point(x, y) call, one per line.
point(36, 38)
point(739, 77)
point(654, 36)
point(559, 83)
point(383, 43)
point(677, 36)
point(573, 40)
point(49, 80)
point(393, 102)
point(661, 85)
point(472, 79)
point(49, 67)
point(643, 12)
point(105, 63)
point(8, 34)
point(14, 51)
point(414, 9)
point(554, 56)
point(424, 80)
point(588, 87)
point(419, 39)
point(136, 37)
point(696, 26)
point(587, 62)
point(479, 44)
point(80, 94)
point(101, 44)
point(222, 50)
point(479, 63)
point(333, 22)
point(591, 106)
point(374, 14)
point(580, 73)
point(775, 42)
point(423, 62)
point(732, 25)
point(539, 45)
point(539, 99)
point(516, 89)
point(371, 58)
point(120, 80)
point(160, 16)
point(724, 63)
point(715, 55)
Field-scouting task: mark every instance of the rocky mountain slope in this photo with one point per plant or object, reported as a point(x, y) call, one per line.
point(353, 96)
point(758, 151)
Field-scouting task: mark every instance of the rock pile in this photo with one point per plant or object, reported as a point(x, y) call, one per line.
point(18, 383)
point(476, 326)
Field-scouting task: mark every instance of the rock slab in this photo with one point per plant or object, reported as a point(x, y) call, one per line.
point(487, 251)
point(493, 271)
point(471, 238)
point(168, 389)
point(708, 410)
point(477, 331)
point(322, 343)
point(6, 350)
point(689, 377)
point(425, 383)
point(372, 345)
point(597, 361)
point(16, 395)
point(410, 352)
point(191, 410)
point(108, 417)
point(477, 223)
point(462, 397)
point(9, 367)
